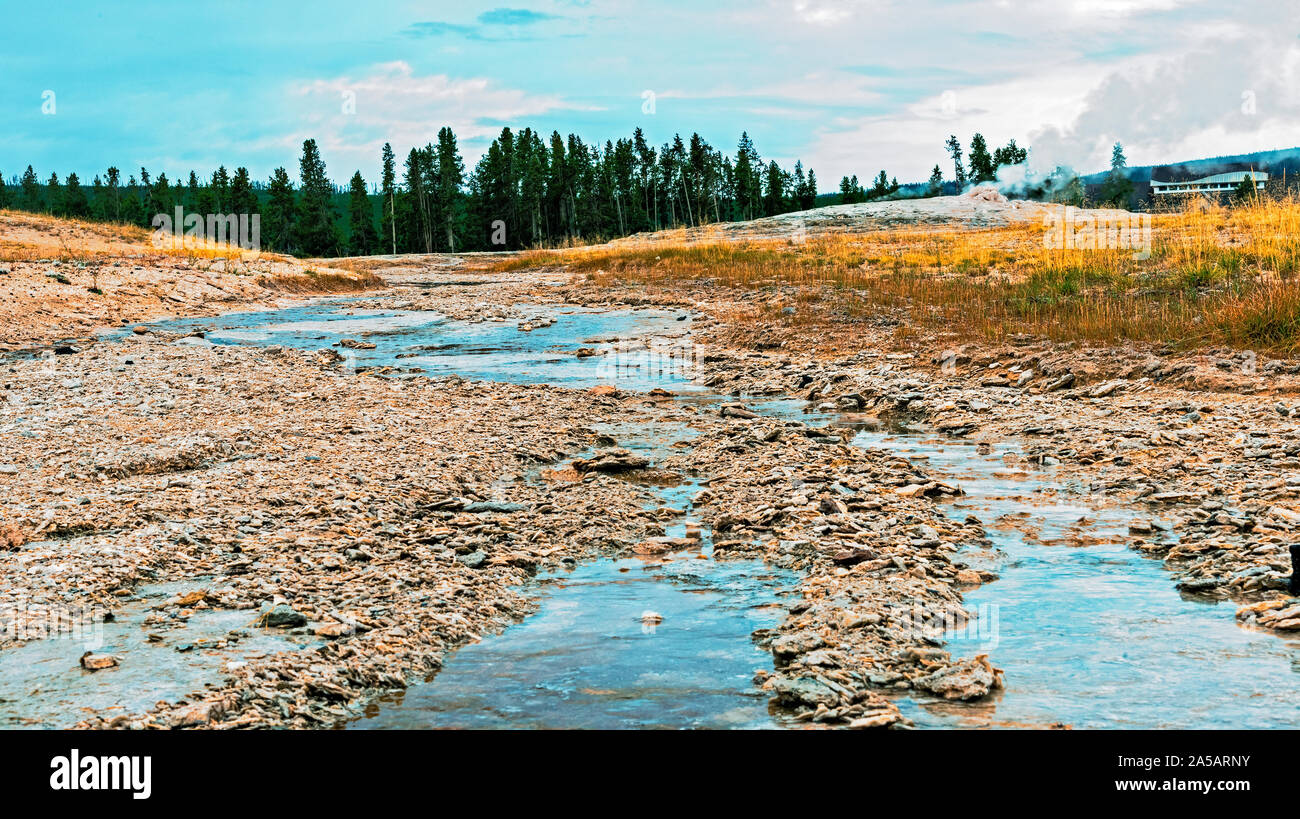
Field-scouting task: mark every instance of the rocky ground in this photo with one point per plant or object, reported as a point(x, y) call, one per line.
point(60, 281)
point(392, 519)
point(1207, 442)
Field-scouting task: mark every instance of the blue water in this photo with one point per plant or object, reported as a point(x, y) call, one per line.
point(1096, 635)
point(435, 345)
point(1089, 632)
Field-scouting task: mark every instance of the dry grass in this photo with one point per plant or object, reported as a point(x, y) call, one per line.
point(30, 237)
point(1212, 276)
point(330, 281)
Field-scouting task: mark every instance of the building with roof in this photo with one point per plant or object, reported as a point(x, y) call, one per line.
point(1219, 183)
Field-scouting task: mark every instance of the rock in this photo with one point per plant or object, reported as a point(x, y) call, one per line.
point(200, 713)
point(788, 646)
point(353, 344)
point(1060, 383)
point(969, 577)
point(611, 461)
point(660, 545)
point(852, 557)
point(803, 691)
point(473, 560)
point(605, 390)
point(651, 618)
point(140, 330)
point(736, 411)
point(875, 719)
point(97, 662)
point(1290, 516)
point(966, 680)
point(283, 616)
point(11, 537)
point(494, 506)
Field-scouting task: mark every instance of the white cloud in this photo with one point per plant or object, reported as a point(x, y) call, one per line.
point(395, 104)
point(1183, 96)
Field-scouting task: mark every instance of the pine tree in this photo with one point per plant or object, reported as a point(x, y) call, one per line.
point(936, 181)
point(315, 233)
point(1011, 154)
point(1117, 189)
point(32, 200)
point(774, 196)
point(532, 187)
point(362, 239)
point(161, 195)
point(981, 162)
point(880, 187)
point(281, 212)
point(243, 199)
point(748, 184)
point(1246, 190)
point(451, 176)
point(646, 163)
point(133, 212)
point(147, 210)
point(388, 205)
point(800, 185)
point(958, 170)
point(113, 192)
point(53, 196)
point(221, 191)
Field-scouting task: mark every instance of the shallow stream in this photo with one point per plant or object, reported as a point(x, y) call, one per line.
point(1090, 633)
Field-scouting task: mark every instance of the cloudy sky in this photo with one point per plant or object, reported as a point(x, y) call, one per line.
point(849, 86)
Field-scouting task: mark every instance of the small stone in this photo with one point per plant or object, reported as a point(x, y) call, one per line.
point(97, 662)
point(283, 616)
point(473, 560)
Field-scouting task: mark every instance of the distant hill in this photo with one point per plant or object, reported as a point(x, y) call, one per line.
point(1283, 162)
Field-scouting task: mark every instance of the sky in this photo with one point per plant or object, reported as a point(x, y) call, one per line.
point(848, 86)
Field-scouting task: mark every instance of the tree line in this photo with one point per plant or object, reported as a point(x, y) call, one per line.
point(525, 191)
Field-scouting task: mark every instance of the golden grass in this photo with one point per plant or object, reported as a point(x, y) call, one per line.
point(1212, 276)
point(330, 281)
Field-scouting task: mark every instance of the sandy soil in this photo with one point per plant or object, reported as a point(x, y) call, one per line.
point(60, 281)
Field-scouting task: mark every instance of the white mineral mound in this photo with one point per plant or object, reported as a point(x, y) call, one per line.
point(981, 206)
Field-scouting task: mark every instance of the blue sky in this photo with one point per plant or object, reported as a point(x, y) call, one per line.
point(849, 86)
